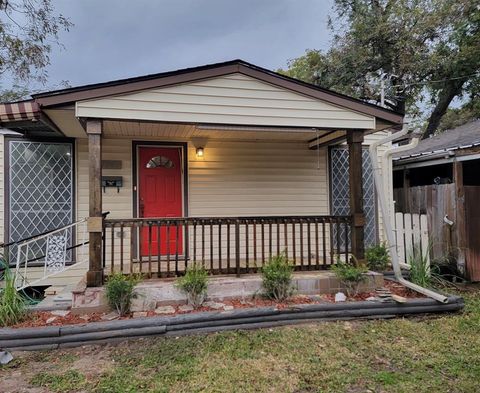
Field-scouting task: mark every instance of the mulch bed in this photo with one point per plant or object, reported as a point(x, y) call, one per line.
point(37, 319)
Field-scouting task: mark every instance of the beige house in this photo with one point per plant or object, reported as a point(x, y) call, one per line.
point(225, 164)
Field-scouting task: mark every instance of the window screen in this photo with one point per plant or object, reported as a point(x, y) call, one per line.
point(340, 193)
point(40, 189)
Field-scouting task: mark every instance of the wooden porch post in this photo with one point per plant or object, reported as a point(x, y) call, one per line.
point(354, 140)
point(93, 128)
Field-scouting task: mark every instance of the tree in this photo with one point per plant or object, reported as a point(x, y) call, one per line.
point(28, 29)
point(457, 63)
point(455, 117)
point(404, 44)
point(15, 93)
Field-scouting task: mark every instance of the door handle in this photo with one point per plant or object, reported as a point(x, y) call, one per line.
point(142, 207)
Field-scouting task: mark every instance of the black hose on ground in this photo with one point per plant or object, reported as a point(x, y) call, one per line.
point(205, 322)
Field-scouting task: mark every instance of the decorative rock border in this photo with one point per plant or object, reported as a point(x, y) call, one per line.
point(53, 337)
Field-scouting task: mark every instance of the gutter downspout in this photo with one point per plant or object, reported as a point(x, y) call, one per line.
point(386, 168)
point(378, 176)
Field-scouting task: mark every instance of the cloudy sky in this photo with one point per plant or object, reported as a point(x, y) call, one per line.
point(114, 39)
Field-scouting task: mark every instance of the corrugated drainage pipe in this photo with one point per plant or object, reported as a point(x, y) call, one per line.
point(379, 183)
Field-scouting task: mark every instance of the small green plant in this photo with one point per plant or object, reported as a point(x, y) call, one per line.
point(194, 284)
point(440, 273)
point(119, 290)
point(420, 273)
point(277, 277)
point(13, 305)
point(377, 257)
point(350, 274)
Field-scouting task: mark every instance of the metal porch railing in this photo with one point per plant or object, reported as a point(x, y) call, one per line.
point(51, 253)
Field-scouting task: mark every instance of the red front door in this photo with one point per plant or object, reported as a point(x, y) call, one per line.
point(160, 195)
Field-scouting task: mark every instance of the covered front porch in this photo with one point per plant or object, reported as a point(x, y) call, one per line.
point(226, 165)
point(248, 197)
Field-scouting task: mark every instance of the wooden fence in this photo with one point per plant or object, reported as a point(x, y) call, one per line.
point(411, 231)
point(453, 221)
point(437, 202)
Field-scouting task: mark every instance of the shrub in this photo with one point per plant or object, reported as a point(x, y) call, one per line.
point(119, 290)
point(419, 267)
point(194, 283)
point(277, 278)
point(350, 275)
point(377, 257)
point(12, 304)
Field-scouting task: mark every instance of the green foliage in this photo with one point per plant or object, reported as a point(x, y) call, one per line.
point(420, 273)
point(12, 304)
point(119, 290)
point(350, 274)
point(377, 257)
point(194, 283)
point(15, 93)
point(277, 277)
point(455, 117)
point(440, 274)
point(28, 30)
point(425, 52)
point(68, 381)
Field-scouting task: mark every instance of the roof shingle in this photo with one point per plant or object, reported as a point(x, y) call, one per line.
point(464, 136)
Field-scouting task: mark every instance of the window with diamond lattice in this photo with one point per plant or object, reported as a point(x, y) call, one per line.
point(340, 194)
point(41, 191)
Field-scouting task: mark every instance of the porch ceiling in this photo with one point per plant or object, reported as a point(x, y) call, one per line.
point(193, 131)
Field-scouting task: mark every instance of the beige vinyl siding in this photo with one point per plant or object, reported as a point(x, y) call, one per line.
point(70, 277)
point(253, 178)
point(259, 179)
point(119, 204)
point(230, 99)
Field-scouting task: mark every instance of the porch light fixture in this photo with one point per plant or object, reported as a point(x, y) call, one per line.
point(200, 153)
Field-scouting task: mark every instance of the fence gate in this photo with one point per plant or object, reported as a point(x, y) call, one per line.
point(411, 231)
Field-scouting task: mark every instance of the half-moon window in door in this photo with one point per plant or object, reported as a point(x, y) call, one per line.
point(160, 162)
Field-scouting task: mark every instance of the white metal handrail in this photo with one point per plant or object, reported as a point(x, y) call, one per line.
point(51, 253)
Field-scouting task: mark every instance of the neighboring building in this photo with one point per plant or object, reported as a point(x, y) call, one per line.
point(207, 151)
point(431, 162)
point(441, 178)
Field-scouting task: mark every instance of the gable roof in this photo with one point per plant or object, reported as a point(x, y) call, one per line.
point(462, 137)
point(123, 86)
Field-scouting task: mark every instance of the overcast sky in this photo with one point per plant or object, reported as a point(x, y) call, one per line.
point(115, 39)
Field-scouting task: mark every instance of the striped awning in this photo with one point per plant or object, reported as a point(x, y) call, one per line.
point(19, 111)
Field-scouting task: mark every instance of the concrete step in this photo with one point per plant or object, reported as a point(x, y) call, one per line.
point(57, 298)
